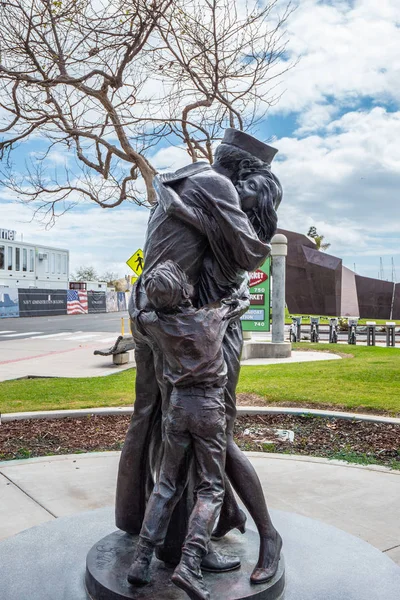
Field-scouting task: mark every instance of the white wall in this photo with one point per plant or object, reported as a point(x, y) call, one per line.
point(26, 265)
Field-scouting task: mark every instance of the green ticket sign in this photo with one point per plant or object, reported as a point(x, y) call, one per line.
point(257, 316)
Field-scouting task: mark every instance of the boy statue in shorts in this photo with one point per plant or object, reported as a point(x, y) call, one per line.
point(191, 342)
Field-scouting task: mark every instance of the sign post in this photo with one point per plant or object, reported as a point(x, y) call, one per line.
point(257, 317)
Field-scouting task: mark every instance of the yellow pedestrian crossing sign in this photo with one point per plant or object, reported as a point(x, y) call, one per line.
point(134, 280)
point(136, 262)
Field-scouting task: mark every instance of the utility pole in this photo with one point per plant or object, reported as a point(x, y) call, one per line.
point(394, 277)
point(381, 270)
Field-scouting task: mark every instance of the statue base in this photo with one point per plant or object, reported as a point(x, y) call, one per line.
point(109, 559)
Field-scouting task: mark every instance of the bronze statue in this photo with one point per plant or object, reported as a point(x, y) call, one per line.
point(216, 223)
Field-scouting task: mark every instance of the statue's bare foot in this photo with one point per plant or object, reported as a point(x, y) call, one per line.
point(268, 560)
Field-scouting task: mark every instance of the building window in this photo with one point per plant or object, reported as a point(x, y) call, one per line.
point(59, 264)
point(77, 285)
point(31, 261)
point(64, 264)
point(2, 256)
point(10, 258)
point(53, 262)
point(17, 258)
point(24, 259)
point(47, 259)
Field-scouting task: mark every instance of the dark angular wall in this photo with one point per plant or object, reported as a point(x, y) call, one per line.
point(315, 282)
point(313, 278)
point(349, 302)
point(374, 297)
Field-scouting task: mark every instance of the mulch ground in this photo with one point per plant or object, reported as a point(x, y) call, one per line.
point(355, 441)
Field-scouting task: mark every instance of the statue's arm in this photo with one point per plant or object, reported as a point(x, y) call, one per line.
point(173, 205)
point(218, 216)
point(233, 306)
point(143, 319)
point(240, 300)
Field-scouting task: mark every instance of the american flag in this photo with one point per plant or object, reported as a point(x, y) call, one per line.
point(77, 302)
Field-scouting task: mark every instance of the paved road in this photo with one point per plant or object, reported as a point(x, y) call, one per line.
point(64, 327)
point(89, 327)
point(60, 346)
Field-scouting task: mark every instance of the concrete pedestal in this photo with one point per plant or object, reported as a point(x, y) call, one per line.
point(121, 359)
point(252, 349)
point(322, 563)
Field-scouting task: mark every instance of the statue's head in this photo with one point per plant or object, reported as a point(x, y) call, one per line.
point(247, 162)
point(249, 144)
point(238, 147)
point(167, 286)
point(259, 193)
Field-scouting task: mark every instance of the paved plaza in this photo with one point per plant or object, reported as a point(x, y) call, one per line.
point(360, 500)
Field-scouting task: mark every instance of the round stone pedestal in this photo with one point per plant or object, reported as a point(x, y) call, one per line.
point(110, 558)
point(321, 562)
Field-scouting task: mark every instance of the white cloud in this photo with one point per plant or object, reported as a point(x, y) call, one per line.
point(58, 158)
point(346, 182)
point(170, 158)
point(340, 172)
point(101, 238)
point(347, 49)
point(314, 117)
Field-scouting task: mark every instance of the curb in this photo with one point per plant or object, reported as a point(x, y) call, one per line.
point(327, 414)
point(63, 414)
point(12, 464)
point(241, 411)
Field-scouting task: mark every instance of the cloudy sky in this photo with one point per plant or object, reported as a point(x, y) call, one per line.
point(337, 128)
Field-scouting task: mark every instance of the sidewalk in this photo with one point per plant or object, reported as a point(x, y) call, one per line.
point(38, 359)
point(363, 501)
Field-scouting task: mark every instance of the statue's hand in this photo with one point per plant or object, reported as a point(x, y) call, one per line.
point(238, 308)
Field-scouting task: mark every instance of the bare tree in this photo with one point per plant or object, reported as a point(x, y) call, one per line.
point(67, 68)
point(101, 83)
point(110, 277)
point(223, 60)
point(88, 273)
point(113, 280)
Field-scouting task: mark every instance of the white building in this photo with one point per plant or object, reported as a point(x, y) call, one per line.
point(25, 265)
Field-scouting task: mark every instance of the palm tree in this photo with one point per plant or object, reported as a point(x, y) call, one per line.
point(318, 239)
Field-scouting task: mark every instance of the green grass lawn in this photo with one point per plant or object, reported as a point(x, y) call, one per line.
point(62, 393)
point(370, 379)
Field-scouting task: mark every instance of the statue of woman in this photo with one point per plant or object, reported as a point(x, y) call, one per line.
point(201, 225)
